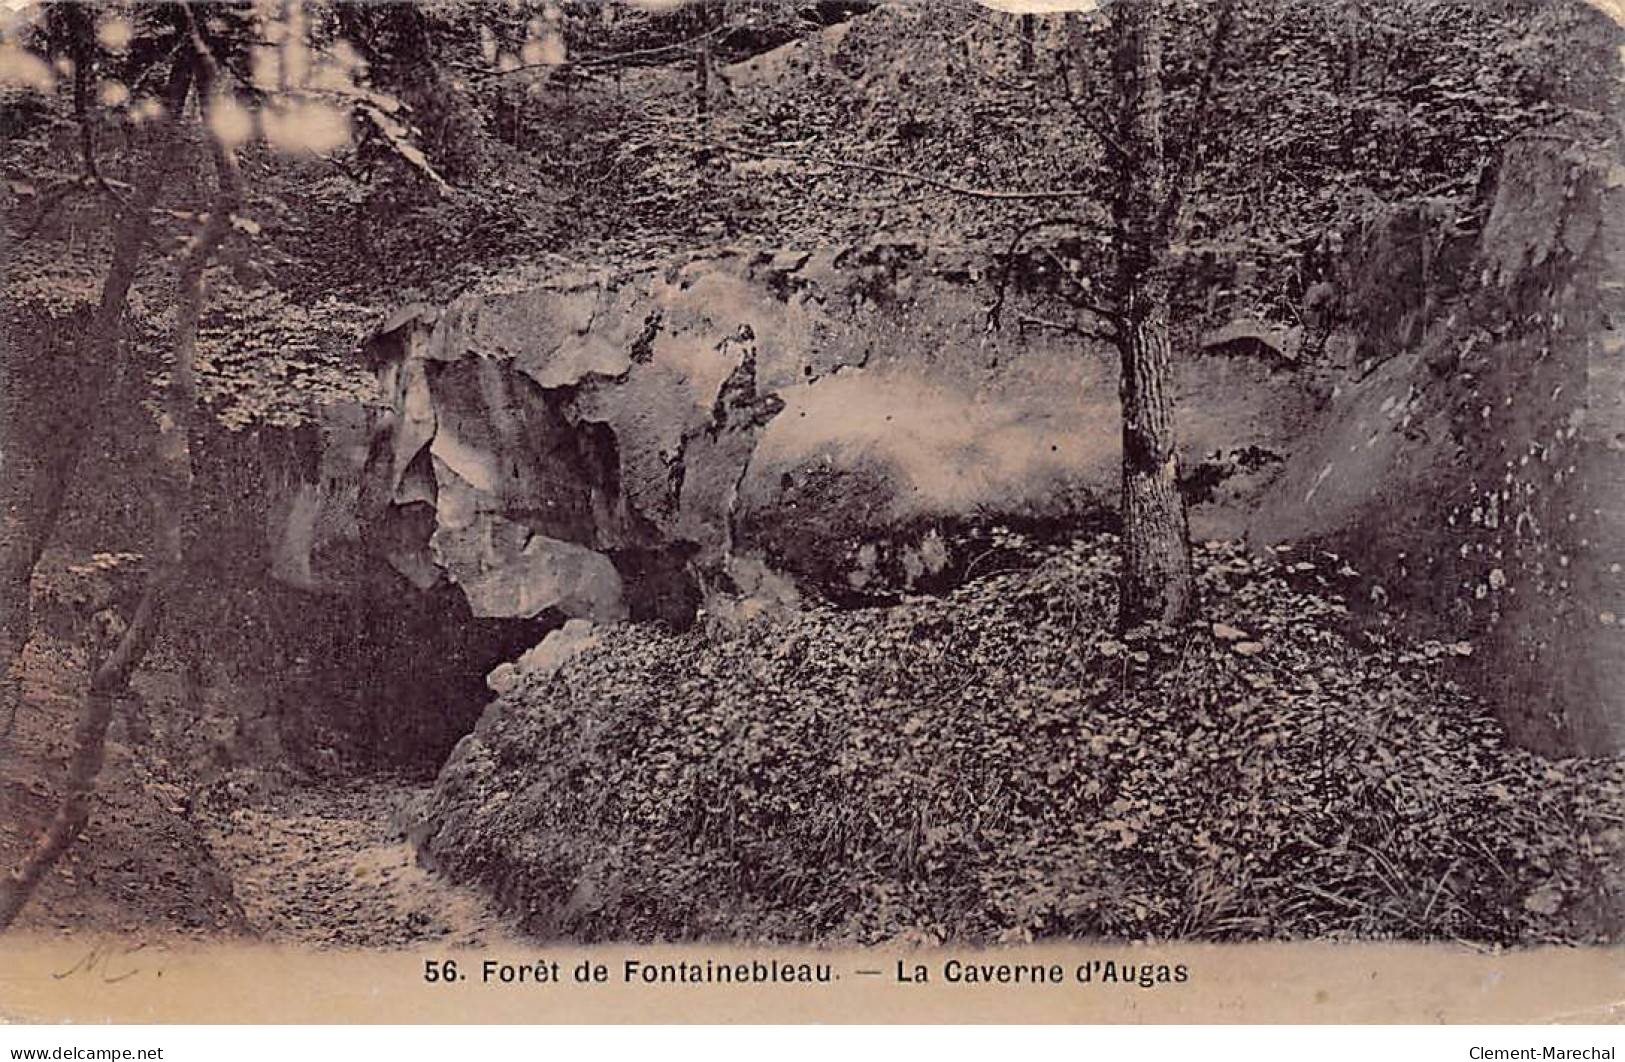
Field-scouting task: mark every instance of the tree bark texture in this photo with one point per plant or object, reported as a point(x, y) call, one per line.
point(1157, 583)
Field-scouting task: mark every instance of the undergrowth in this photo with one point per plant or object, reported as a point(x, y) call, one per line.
point(999, 765)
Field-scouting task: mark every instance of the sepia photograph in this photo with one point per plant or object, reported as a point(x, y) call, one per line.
point(812, 511)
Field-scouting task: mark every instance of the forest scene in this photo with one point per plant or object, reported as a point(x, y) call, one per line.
point(834, 472)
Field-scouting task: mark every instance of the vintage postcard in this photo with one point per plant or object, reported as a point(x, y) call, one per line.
point(838, 511)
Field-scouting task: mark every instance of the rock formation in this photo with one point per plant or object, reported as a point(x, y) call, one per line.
point(613, 446)
point(771, 424)
point(1472, 462)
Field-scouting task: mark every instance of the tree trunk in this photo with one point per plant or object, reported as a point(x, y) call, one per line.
point(35, 483)
point(702, 75)
point(171, 504)
point(1157, 584)
point(703, 21)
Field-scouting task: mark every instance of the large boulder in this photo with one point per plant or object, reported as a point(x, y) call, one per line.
point(840, 422)
point(743, 428)
point(552, 445)
point(1473, 466)
point(603, 447)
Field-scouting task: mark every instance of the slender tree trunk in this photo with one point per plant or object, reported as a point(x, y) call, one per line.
point(107, 685)
point(171, 504)
point(34, 484)
point(702, 74)
point(703, 21)
point(1157, 584)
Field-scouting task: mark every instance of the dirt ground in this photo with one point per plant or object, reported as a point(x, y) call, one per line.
point(181, 844)
point(322, 865)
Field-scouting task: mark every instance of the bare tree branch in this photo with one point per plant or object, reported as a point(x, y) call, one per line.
point(1085, 297)
point(1025, 321)
point(1091, 121)
point(1085, 101)
point(1191, 148)
point(994, 311)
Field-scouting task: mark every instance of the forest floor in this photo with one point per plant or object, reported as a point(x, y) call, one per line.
point(992, 765)
point(176, 847)
point(1000, 764)
point(322, 865)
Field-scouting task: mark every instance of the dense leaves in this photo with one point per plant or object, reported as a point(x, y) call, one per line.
point(999, 765)
point(472, 138)
point(264, 359)
point(994, 765)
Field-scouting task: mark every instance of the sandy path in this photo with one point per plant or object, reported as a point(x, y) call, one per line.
point(324, 866)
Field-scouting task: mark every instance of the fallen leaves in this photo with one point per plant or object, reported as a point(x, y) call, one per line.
point(1002, 760)
point(1546, 900)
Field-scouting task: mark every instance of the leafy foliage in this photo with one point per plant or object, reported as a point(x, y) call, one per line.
point(999, 765)
point(995, 765)
point(484, 136)
point(265, 359)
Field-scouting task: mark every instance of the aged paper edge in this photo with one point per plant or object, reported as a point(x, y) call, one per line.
point(123, 981)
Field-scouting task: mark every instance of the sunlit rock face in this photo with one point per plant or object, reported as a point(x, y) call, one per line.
point(840, 423)
point(577, 447)
point(764, 426)
point(1472, 464)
